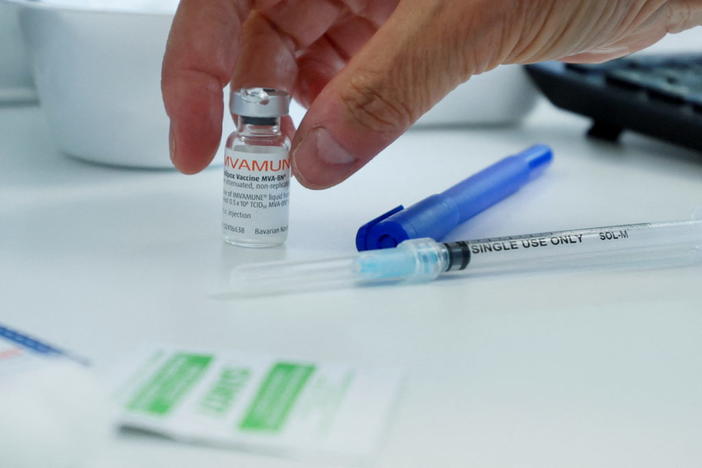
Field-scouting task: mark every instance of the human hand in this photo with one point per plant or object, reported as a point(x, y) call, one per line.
point(367, 69)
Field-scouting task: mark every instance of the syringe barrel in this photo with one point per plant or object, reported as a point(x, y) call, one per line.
point(417, 260)
point(625, 245)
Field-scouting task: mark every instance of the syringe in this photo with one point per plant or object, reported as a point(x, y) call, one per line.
point(421, 260)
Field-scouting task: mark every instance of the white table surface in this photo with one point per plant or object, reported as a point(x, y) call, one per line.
point(577, 369)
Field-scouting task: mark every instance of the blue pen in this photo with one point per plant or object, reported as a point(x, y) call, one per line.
point(36, 346)
point(439, 214)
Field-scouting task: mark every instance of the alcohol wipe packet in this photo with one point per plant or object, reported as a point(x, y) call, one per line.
point(284, 407)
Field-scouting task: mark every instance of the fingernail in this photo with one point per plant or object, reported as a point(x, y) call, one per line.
point(323, 145)
point(172, 144)
point(303, 94)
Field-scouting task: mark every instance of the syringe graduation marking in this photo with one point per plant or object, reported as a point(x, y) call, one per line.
point(552, 239)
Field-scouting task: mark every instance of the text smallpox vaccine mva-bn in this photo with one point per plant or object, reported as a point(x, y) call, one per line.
point(257, 170)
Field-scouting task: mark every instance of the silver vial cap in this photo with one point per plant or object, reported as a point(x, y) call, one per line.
point(259, 102)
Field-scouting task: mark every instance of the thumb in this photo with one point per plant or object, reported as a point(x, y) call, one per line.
point(399, 74)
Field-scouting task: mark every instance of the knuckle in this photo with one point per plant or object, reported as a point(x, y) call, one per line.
point(373, 104)
point(681, 14)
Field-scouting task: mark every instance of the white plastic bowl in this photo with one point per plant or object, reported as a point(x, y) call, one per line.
point(98, 73)
point(503, 96)
point(15, 74)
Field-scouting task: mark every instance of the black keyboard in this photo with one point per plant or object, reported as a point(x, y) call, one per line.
point(656, 95)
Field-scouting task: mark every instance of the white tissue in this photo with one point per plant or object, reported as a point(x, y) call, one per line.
point(52, 415)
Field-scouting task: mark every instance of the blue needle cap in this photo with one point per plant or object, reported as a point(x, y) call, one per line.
point(439, 214)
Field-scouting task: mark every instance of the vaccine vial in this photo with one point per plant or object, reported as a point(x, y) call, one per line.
point(257, 170)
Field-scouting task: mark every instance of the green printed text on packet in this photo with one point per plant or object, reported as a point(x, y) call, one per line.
point(227, 387)
point(276, 397)
point(170, 383)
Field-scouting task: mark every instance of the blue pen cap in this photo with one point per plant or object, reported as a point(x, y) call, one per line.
point(439, 214)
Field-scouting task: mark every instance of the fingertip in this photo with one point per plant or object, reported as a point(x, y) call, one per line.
point(193, 146)
point(319, 161)
point(188, 167)
point(318, 177)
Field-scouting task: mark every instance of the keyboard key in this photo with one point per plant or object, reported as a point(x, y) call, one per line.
point(590, 68)
point(696, 101)
point(630, 79)
point(658, 61)
point(668, 92)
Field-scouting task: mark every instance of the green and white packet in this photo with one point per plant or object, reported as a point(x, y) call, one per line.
point(286, 407)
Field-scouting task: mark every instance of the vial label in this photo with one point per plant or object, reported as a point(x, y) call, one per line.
point(256, 191)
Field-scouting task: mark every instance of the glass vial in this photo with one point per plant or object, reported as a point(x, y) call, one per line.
point(257, 170)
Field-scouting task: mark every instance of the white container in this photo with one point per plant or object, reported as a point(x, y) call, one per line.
point(97, 68)
point(502, 96)
point(15, 75)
